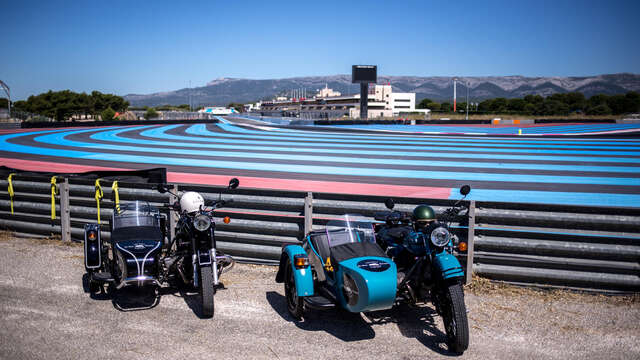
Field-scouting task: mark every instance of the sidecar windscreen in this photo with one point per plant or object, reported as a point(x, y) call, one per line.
point(349, 229)
point(135, 214)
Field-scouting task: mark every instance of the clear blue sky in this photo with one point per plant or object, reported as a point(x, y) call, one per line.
point(133, 46)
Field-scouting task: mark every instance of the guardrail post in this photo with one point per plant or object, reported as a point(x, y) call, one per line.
point(173, 217)
point(65, 211)
point(308, 213)
point(470, 240)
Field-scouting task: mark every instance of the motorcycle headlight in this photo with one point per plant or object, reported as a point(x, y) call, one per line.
point(440, 236)
point(201, 222)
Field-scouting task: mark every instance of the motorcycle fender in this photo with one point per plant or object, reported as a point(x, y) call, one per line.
point(204, 258)
point(447, 265)
point(302, 277)
point(92, 248)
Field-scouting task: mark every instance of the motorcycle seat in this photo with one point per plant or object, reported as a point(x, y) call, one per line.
point(399, 233)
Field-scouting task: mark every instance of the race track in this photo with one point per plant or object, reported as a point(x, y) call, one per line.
point(568, 170)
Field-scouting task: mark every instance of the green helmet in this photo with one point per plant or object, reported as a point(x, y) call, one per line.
point(423, 212)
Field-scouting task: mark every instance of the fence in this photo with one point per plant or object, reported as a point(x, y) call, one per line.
point(549, 245)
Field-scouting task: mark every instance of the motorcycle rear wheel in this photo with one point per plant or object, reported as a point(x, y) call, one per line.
point(454, 316)
point(206, 291)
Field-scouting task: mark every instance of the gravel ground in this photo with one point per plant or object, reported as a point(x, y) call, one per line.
point(45, 313)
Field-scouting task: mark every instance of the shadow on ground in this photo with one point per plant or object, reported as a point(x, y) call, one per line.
point(417, 322)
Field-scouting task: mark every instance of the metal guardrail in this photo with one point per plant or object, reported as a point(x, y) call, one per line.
point(595, 248)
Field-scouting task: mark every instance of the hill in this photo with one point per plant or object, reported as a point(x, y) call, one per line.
point(225, 90)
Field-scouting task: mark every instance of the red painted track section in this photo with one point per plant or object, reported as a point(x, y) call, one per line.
point(252, 182)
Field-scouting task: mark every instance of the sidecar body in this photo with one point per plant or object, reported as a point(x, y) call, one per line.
point(135, 245)
point(340, 266)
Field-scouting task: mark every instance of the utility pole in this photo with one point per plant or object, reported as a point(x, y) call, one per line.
point(467, 117)
point(6, 89)
point(455, 81)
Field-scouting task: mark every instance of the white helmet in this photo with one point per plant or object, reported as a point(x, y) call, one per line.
point(191, 201)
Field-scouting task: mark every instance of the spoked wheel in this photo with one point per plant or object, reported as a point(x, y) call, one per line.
point(207, 291)
point(454, 316)
point(294, 302)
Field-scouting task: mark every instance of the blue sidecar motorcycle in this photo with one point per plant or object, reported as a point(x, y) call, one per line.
point(339, 266)
point(421, 245)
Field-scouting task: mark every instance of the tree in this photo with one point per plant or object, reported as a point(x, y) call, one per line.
point(601, 109)
point(446, 107)
point(107, 114)
point(634, 101)
point(485, 106)
point(516, 105)
point(499, 105)
point(63, 104)
point(4, 103)
point(433, 106)
point(533, 99)
point(151, 114)
point(424, 104)
point(618, 104)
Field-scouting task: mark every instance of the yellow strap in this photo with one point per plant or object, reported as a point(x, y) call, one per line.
point(54, 192)
point(99, 195)
point(114, 187)
point(10, 191)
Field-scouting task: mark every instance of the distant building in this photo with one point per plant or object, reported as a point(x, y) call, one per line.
point(383, 103)
point(326, 92)
point(218, 110)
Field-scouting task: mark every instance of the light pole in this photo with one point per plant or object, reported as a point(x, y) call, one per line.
point(6, 89)
point(467, 117)
point(455, 80)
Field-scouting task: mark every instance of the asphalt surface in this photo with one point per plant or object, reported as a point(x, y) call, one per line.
point(45, 313)
point(567, 170)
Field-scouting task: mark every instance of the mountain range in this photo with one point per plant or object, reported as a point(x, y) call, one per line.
point(223, 91)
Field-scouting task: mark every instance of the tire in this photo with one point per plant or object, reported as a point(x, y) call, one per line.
point(295, 303)
point(206, 291)
point(454, 317)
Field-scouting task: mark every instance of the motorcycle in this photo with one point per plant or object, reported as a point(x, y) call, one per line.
point(427, 268)
point(140, 254)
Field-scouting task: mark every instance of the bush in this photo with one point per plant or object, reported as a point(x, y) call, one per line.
point(151, 114)
point(107, 114)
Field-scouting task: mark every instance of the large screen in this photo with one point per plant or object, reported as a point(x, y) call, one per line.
point(364, 74)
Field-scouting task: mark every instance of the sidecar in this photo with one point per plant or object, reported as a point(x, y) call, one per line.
point(132, 255)
point(339, 266)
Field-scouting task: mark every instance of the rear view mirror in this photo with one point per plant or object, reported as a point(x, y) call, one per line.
point(162, 188)
point(233, 183)
point(389, 203)
point(465, 189)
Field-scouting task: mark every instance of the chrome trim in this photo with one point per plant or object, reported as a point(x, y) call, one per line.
point(130, 253)
point(144, 260)
point(212, 253)
point(194, 260)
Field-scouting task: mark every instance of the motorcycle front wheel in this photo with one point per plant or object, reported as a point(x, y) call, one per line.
point(454, 316)
point(207, 291)
point(295, 304)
